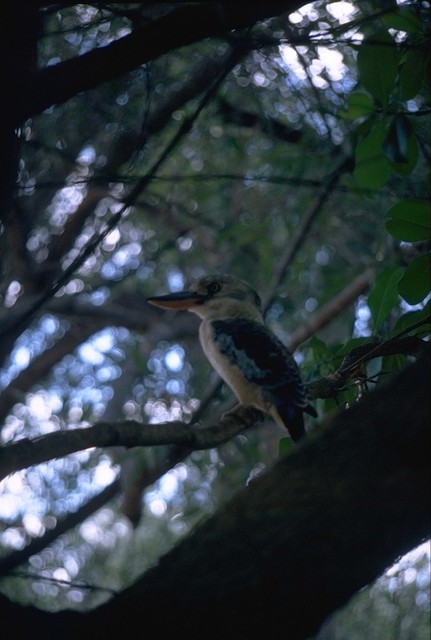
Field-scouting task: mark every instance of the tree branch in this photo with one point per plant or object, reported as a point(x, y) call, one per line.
point(332, 309)
point(10, 328)
point(289, 541)
point(306, 221)
point(127, 143)
point(182, 26)
point(130, 433)
point(42, 364)
point(271, 126)
point(14, 559)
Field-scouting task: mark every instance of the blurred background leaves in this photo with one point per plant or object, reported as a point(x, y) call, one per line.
point(301, 161)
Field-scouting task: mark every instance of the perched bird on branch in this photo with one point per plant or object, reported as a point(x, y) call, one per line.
point(255, 364)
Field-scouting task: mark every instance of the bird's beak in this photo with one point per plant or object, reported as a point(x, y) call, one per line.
point(178, 300)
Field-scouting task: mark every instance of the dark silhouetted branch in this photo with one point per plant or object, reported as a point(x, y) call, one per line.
point(325, 521)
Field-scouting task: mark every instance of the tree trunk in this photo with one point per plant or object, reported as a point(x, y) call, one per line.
point(291, 547)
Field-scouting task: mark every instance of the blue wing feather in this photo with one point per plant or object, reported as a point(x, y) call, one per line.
point(265, 361)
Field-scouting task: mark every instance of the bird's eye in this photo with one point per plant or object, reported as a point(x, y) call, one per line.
point(213, 288)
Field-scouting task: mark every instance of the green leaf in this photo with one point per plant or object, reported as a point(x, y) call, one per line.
point(409, 220)
point(393, 363)
point(321, 352)
point(395, 144)
point(411, 318)
point(405, 167)
point(358, 104)
point(372, 167)
point(284, 446)
point(384, 295)
point(412, 73)
point(378, 60)
point(351, 344)
point(402, 19)
point(414, 286)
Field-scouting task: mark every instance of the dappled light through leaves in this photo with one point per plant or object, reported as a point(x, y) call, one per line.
point(292, 152)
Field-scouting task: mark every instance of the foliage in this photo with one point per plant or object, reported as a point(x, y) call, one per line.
point(294, 156)
point(396, 606)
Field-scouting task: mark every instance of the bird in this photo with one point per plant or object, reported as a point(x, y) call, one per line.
point(246, 354)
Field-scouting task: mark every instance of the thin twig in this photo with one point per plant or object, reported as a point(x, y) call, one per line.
point(301, 233)
point(94, 242)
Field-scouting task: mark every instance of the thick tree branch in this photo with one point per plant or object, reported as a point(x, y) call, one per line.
point(130, 507)
point(352, 367)
point(25, 452)
point(19, 556)
point(271, 126)
point(127, 143)
point(17, 65)
point(11, 328)
point(129, 311)
point(332, 309)
point(182, 26)
point(322, 523)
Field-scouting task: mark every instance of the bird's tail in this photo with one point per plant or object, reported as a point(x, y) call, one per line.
point(291, 417)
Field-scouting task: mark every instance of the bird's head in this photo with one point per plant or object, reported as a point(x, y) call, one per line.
point(215, 297)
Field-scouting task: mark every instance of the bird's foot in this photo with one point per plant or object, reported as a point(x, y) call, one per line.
point(245, 413)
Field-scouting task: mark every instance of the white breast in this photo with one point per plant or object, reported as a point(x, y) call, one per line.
point(246, 392)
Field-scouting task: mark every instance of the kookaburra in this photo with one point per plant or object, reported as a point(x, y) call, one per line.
point(255, 364)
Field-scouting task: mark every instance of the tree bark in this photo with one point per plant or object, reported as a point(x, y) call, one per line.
point(184, 25)
point(294, 545)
